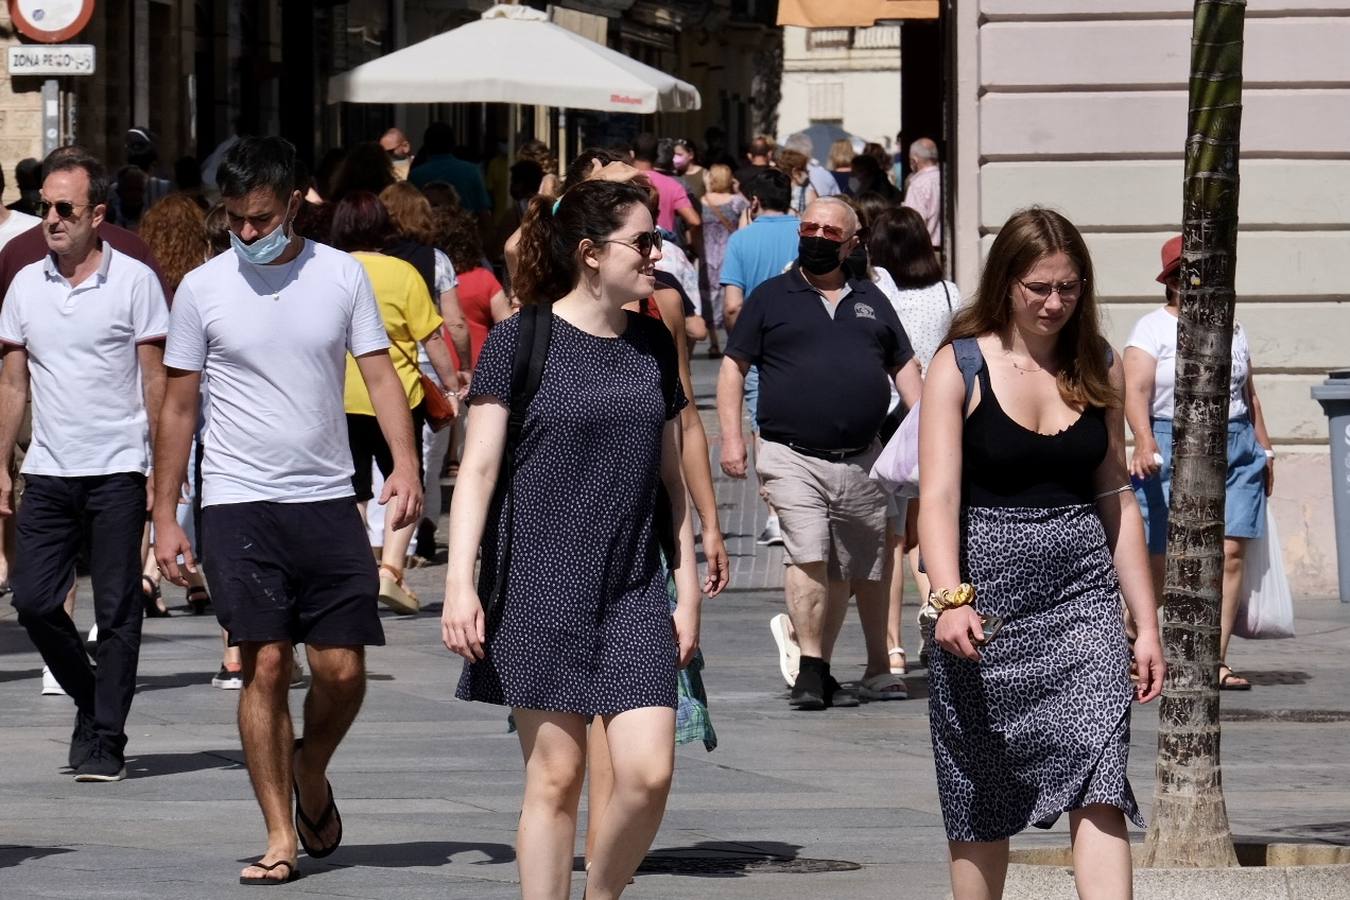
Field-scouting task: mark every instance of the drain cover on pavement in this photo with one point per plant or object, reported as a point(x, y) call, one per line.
point(1303, 716)
point(740, 864)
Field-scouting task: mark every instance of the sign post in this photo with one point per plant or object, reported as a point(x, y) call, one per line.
point(50, 22)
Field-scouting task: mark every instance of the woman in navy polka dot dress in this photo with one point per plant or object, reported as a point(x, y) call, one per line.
point(584, 627)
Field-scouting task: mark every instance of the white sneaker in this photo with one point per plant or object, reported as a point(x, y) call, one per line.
point(772, 535)
point(91, 642)
point(50, 686)
point(789, 653)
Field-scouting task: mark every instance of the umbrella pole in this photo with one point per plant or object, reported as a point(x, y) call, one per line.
point(562, 136)
point(512, 116)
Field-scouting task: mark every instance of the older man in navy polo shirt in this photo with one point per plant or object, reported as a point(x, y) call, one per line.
point(825, 345)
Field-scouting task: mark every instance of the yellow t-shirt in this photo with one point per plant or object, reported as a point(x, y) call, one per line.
point(409, 317)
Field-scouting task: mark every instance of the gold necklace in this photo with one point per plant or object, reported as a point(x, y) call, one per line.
point(1020, 371)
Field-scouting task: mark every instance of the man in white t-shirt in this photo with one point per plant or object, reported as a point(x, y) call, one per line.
point(85, 328)
point(286, 552)
point(13, 223)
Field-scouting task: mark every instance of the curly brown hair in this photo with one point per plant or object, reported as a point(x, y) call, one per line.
point(175, 231)
point(457, 234)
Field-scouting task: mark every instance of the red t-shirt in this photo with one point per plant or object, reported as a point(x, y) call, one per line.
point(30, 246)
point(476, 289)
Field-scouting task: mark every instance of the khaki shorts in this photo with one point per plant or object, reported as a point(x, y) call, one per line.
point(829, 512)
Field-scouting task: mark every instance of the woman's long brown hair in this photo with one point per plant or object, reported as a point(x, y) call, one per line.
point(1028, 236)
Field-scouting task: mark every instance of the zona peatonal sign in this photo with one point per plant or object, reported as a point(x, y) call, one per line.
point(50, 21)
point(51, 59)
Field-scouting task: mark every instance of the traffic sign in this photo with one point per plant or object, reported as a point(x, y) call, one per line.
point(51, 59)
point(51, 21)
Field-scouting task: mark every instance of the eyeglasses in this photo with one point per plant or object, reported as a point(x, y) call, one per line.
point(644, 243)
point(64, 208)
point(1068, 290)
point(811, 229)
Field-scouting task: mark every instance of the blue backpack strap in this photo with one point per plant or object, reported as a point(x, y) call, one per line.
point(970, 361)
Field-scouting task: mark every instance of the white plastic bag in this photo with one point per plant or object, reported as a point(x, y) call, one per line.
point(1265, 608)
point(897, 468)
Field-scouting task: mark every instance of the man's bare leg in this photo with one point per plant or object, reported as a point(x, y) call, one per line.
point(873, 613)
point(807, 600)
point(265, 730)
point(337, 686)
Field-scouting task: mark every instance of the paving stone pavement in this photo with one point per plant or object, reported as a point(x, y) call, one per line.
point(430, 786)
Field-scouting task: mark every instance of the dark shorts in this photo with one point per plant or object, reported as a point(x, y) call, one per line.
point(299, 572)
point(368, 445)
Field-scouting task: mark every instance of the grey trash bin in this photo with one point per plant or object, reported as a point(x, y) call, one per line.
point(1334, 395)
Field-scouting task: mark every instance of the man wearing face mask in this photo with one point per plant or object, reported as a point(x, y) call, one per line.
point(821, 339)
point(396, 144)
point(286, 551)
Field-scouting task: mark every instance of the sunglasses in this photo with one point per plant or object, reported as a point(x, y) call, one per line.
point(811, 229)
point(644, 243)
point(64, 208)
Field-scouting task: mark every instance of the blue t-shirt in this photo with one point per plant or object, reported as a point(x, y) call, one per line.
point(463, 176)
point(759, 251)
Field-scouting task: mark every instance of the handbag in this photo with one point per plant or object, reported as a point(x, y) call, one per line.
point(435, 404)
point(897, 468)
point(1265, 606)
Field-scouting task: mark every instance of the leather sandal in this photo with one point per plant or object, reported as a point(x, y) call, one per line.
point(395, 594)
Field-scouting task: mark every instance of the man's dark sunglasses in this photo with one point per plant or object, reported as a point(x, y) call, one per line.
point(64, 208)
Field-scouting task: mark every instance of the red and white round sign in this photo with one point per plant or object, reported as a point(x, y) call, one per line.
point(51, 21)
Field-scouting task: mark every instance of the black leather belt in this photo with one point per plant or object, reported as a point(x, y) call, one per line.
point(830, 455)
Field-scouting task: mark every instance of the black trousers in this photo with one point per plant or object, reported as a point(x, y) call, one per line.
point(55, 514)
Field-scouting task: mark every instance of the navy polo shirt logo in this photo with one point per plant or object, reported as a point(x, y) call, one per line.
point(863, 311)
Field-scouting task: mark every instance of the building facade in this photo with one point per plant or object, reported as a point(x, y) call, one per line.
point(1081, 106)
point(847, 77)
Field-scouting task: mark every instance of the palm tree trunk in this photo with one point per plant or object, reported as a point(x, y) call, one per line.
point(1190, 821)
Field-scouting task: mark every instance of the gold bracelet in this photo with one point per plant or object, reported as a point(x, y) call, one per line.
point(962, 595)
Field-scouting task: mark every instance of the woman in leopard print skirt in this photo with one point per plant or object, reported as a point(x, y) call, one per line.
point(1026, 496)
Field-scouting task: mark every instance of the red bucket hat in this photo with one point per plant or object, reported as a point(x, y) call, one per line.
point(1171, 259)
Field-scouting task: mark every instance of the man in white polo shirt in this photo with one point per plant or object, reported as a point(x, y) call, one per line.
point(285, 549)
point(85, 327)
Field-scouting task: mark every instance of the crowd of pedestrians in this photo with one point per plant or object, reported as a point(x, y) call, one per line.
point(226, 368)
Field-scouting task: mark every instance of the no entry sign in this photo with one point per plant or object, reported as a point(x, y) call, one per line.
point(50, 21)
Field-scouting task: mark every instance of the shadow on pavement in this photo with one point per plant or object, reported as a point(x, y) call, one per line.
point(20, 675)
point(419, 853)
point(153, 765)
point(13, 856)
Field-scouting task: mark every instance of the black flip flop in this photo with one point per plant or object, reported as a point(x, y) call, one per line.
point(330, 811)
point(292, 872)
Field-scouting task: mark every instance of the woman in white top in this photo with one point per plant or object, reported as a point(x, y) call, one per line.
point(1150, 381)
point(909, 274)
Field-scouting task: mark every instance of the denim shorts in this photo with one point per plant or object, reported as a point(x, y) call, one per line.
point(1245, 493)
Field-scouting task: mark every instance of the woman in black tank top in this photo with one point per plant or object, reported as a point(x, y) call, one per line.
point(1026, 497)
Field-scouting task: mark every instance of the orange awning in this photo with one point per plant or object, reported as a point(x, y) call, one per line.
point(852, 13)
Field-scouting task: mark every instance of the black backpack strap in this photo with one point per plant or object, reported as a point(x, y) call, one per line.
point(527, 371)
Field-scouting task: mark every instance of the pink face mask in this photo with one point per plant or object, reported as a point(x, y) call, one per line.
point(681, 160)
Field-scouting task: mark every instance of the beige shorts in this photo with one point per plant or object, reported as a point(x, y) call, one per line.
point(829, 512)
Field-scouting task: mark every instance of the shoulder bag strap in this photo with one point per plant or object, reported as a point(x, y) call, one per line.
point(948, 294)
point(527, 371)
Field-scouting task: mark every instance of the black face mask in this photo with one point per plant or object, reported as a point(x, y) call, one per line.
point(818, 255)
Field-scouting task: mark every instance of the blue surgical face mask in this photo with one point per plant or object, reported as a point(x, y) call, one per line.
point(265, 249)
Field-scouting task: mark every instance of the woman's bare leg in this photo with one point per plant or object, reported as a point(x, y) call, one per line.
point(978, 869)
point(554, 748)
point(1101, 853)
point(642, 755)
point(599, 782)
